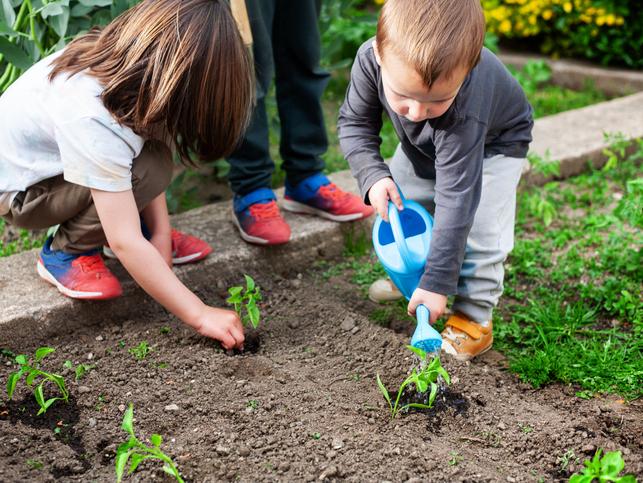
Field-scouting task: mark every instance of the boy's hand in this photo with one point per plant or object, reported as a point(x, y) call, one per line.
point(222, 325)
point(380, 194)
point(435, 302)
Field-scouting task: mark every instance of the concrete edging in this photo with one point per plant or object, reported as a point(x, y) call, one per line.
point(31, 309)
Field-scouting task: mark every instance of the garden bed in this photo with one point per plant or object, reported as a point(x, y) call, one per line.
point(304, 406)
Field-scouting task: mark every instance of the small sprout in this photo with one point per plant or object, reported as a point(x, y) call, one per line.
point(252, 404)
point(162, 365)
point(34, 464)
point(525, 428)
point(82, 369)
point(455, 458)
point(68, 364)
point(141, 351)
point(33, 372)
point(121, 344)
point(602, 469)
point(566, 459)
point(165, 330)
point(316, 436)
point(248, 299)
point(136, 451)
point(425, 381)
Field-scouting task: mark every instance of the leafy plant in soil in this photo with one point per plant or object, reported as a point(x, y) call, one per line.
point(136, 451)
point(34, 374)
point(603, 469)
point(141, 351)
point(247, 299)
point(424, 379)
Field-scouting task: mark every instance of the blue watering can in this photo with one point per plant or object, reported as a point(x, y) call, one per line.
point(402, 246)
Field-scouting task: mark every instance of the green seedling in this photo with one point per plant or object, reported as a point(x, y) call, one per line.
point(81, 369)
point(34, 464)
point(252, 404)
point(165, 330)
point(247, 298)
point(425, 381)
point(141, 351)
point(603, 469)
point(455, 458)
point(135, 451)
point(33, 374)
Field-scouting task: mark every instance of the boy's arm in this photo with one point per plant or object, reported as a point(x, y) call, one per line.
point(157, 219)
point(458, 165)
point(360, 122)
point(120, 220)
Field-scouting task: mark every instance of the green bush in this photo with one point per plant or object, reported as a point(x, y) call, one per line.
point(33, 29)
point(605, 31)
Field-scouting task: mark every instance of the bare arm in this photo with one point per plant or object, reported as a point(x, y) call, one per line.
point(157, 219)
point(120, 220)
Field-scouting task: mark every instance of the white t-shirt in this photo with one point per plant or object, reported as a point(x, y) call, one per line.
point(61, 127)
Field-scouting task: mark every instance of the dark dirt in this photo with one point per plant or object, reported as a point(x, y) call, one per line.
point(303, 407)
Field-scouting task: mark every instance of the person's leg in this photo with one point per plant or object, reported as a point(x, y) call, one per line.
point(300, 83)
point(490, 240)
point(251, 167)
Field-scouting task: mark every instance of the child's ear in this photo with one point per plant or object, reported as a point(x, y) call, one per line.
point(377, 53)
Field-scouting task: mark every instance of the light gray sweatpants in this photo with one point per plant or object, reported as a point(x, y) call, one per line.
point(491, 237)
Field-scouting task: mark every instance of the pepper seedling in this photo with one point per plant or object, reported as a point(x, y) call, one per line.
point(248, 299)
point(425, 380)
point(33, 374)
point(603, 469)
point(136, 451)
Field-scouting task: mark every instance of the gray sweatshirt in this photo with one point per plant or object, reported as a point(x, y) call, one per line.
point(489, 116)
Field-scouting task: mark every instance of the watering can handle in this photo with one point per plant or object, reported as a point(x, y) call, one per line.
point(398, 235)
point(422, 314)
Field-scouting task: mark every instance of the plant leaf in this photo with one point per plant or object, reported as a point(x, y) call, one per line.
point(9, 13)
point(43, 352)
point(384, 391)
point(250, 283)
point(21, 359)
point(13, 379)
point(128, 420)
point(433, 394)
point(122, 455)
point(40, 398)
point(96, 3)
point(156, 440)
point(135, 460)
point(31, 377)
point(612, 463)
point(419, 352)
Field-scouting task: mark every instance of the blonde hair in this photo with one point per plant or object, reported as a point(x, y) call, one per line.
point(175, 66)
point(435, 37)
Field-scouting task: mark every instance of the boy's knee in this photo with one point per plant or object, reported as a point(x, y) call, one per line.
point(152, 171)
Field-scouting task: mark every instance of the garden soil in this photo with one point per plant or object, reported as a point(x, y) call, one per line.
point(303, 406)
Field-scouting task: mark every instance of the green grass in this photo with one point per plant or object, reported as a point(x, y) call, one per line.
point(573, 310)
point(25, 241)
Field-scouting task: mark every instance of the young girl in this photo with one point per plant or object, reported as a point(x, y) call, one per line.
point(86, 138)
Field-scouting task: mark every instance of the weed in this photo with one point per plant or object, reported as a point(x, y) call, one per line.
point(316, 436)
point(248, 299)
point(252, 404)
point(525, 428)
point(356, 242)
point(81, 369)
point(455, 458)
point(568, 457)
point(424, 379)
point(34, 464)
point(33, 373)
point(165, 330)
point(603, 469)
point(141, 351)
point(136, 451)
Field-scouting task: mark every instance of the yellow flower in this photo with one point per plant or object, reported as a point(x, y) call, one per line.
point(620, 21)
point(532, 20)
point(610, 19)
point(505, 27)
point(547, 14)
point(600, 20)
point(567, 6)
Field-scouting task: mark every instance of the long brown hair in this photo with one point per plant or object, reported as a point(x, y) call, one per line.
point(178, 66)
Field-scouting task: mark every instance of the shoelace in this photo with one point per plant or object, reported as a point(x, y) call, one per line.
point(90, 263)
point(265, 210)
point(332, 191)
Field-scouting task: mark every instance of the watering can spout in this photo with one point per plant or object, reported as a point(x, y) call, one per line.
point(425, 337)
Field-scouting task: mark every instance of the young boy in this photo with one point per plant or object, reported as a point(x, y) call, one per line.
point(465, 126)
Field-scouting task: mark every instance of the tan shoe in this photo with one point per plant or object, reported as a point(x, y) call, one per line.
point(465, 339)
point(383, 290)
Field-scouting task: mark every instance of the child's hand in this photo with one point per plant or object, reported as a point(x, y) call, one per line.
point(435, 302)
point(383, 191)
point(222, 325)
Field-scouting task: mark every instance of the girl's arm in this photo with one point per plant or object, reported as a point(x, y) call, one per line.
point(157, 220)
point(120, 220)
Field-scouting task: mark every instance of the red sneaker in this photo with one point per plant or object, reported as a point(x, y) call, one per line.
point(316, 195)
point(82, 276)
point(188, 248)
point(185, 248)
point(258, 218)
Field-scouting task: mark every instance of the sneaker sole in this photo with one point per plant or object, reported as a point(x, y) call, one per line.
point(74, 294)
point(296, 207)
point(253, 239)
point(175, 261)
